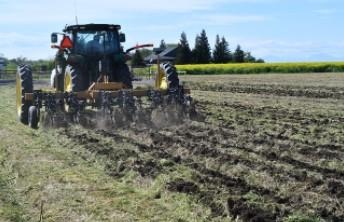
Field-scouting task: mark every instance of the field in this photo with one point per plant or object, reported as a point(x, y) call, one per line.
point(255, 68)
point(269, 148)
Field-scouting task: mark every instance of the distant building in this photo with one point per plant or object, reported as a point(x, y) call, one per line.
point(2, 65)
point(168, 55)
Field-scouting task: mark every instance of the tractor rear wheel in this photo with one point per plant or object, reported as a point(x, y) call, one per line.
point(171, 75)
point(79, 81)
point(24, 85)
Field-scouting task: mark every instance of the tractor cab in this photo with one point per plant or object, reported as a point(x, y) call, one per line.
point(95, 39)
point(91, 40)
point(90, 53)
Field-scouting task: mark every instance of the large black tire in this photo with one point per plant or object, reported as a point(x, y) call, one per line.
point(24, 85)
point(123, 74)
point(171, 75)
point(33, 117)
point(59, 81)
point(79, 81)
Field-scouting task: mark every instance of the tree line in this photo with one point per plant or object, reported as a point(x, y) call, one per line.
point(40, 65)
point(202, 53)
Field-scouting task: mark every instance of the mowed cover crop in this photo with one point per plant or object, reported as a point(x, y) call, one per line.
point(268, 148)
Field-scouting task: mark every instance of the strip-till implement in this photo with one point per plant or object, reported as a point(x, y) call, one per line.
point(91, 74)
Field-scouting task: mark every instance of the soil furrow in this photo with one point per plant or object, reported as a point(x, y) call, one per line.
point(269, 89)
point(218, 181)
point(228, 182)
point(255, 160)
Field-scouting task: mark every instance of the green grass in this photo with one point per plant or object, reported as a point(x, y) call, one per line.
point(302, 218)
point(251, 68)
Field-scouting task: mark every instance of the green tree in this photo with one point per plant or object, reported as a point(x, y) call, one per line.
point(217, 50)
point(239, 55)
point(249, 57)
point(162, 44)
point(201, 52)
point(184, 55)
point(20, 60)
point(172, 45)
point(194, 51)
point(221, 53)
point(137, 59)
point(146, 52)
point(260, 60)
point(227, 54)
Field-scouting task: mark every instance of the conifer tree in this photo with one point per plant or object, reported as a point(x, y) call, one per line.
point(201, 52)
point(184, 55)
point(239, 55)
point(221, 53)
point(137, 59)
point(162, 44)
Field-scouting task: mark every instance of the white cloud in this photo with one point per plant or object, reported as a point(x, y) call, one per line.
point(14, 44)
point(226, 19)
point(43, 11)
point(29, 24)
point(53, 9)
point(280, 50)
point(47, 11)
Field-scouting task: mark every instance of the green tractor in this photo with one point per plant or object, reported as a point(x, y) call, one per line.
point(91, 73)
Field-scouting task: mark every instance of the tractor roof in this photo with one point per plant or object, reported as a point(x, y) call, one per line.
point(95, 27)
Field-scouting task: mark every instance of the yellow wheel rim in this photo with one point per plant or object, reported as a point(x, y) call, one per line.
point(67, 87)
point(163, 83)
point(19, 95)
point(161, 80)
point(68, 82)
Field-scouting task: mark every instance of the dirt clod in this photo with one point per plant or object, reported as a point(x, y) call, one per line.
point(182, 186)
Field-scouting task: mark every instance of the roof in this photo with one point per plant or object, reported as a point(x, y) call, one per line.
point(96, 27)
point(171, 51)
point(168, 54)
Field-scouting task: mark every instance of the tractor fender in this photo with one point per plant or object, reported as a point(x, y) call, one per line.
point(75, 59)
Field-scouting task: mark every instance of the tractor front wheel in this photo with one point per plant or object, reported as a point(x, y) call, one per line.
point(171, 75)
point(33, 117)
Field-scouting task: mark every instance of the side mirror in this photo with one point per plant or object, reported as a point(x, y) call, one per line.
point(121, 37)
point(54, 38)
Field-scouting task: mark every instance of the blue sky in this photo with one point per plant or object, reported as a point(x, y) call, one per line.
point(275, 30)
